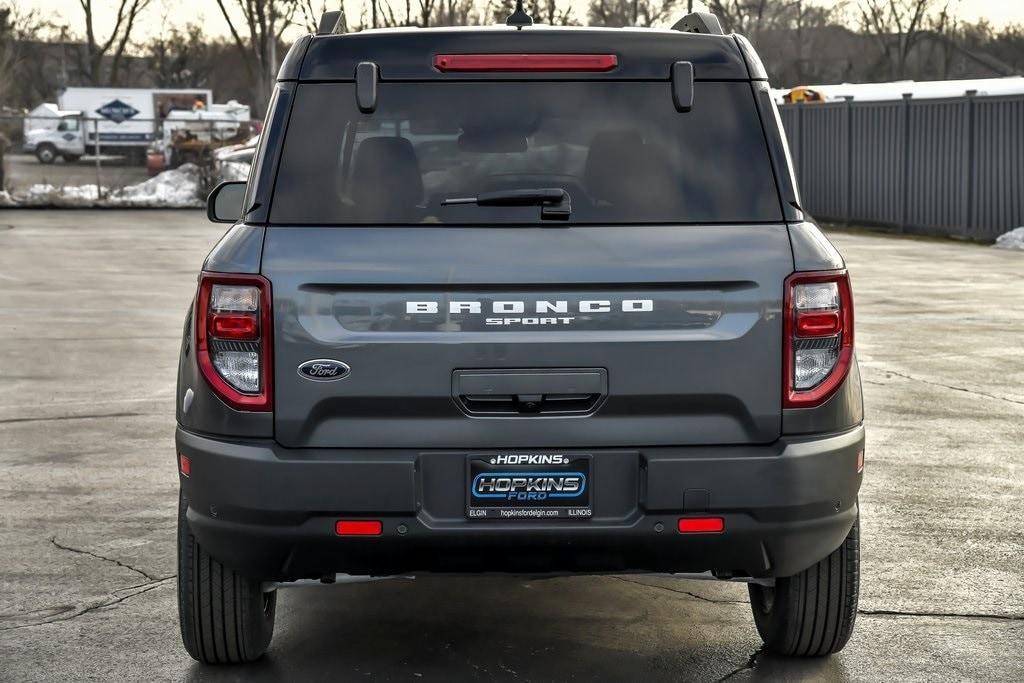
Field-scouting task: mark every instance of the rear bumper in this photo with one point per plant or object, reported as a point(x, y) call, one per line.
point(270, 511)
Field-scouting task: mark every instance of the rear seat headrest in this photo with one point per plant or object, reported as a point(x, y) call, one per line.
point(386, 175)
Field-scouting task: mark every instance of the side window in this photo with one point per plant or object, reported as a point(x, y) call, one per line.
point(267, 121)
point(264, 166)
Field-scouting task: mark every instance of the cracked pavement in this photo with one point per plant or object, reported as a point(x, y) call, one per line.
point(92, 305)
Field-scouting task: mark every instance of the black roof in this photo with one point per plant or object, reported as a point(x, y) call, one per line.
point(407, 54)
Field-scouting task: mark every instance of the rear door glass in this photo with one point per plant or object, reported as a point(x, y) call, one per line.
point(620, 149)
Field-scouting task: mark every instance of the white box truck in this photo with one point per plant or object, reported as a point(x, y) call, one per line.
point(119, 121)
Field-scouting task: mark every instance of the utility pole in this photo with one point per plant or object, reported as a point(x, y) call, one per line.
point(64, 57)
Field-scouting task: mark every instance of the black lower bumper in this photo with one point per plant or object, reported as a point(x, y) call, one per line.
point(271, 511)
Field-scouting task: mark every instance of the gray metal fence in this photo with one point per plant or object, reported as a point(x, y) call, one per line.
point(953, 166)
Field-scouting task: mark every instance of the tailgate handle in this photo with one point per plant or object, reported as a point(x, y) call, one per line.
point(525, 392)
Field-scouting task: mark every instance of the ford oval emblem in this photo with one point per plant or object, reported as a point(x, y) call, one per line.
point(324, 370)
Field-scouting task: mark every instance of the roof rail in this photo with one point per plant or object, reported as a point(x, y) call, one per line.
point(699, 22)
point(328, 23)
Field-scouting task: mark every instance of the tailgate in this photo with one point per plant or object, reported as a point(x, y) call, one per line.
point(528, 337)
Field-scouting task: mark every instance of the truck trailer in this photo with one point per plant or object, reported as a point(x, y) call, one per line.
point(121, 121)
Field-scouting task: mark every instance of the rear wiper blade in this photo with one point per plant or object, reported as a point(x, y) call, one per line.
point(555, 202)
point(530, 197)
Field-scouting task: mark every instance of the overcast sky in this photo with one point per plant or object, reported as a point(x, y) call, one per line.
point(999, 12)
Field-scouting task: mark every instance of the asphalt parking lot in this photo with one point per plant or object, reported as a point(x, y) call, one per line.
point(91, 307)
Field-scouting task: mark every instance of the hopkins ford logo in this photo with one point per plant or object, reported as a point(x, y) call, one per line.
point(324, 370)
point(533, 312)
point(529, 485)
point(529, 460)
point(117, 111)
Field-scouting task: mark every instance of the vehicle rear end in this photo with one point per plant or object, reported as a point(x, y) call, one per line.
point(536, 301)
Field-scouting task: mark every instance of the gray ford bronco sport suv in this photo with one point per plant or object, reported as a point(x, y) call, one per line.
point(519, 299)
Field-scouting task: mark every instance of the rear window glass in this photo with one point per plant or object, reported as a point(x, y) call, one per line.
point(619, 149)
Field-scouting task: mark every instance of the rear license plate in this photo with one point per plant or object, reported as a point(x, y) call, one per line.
point(528, 486)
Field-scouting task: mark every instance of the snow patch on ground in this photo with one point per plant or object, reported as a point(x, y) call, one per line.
point(1011, 240)
point(234, 170)
point(177, 188)
point(44, 194)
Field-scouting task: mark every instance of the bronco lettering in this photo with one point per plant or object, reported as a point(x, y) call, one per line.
point(540, 306)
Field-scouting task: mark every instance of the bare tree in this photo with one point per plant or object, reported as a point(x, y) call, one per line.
point(181, 58)
point(426, 12)
point(813, 27)
point(633, 12)
point(312, 11)
point(749, 17)
point(96, 51)
point(455, 13)
point(789, 34)
point(16, 27)
point(896, 26)
point(1006, 45)
point(264, 22)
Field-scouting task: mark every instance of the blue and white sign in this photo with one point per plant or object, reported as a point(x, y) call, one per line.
point(117, 111)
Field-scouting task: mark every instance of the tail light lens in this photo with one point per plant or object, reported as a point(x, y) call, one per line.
point(233, 338)
point(526, 62)
point(818, 336)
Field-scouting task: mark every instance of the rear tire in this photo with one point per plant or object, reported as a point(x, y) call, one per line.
point(46, 153)
point(226, 618)
point(811, 614)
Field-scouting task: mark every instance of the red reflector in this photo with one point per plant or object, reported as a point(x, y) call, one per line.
point(184, 464)
point(525, 62)
point(860, 461)
point(818, 324)
point(358, 527)
point(234, 326)
point(701, 525)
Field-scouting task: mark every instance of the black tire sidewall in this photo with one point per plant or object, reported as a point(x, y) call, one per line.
point(46, 150)
point(225, 617)
point(829, 588)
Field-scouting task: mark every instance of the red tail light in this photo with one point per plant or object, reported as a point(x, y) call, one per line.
point(818, 329)
point(233, 338)
point(818, 324)
point(243, 326)
point(525, 62)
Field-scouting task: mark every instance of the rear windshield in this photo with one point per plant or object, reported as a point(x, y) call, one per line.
point(619, 149)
